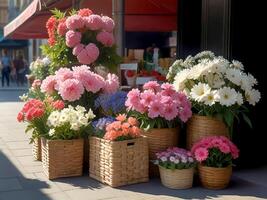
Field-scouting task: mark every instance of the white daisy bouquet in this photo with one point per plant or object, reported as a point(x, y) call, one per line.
point(69, 123)
point(216, 86)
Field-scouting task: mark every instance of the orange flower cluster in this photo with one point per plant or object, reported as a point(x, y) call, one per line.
point(122, 129)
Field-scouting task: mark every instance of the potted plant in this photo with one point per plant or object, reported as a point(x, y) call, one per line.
point(176, 167)
point(215, 155)
point(219, 91)
point(118, 152)
point(159, 109)
point(35, 112)
point(130, 76)
point(62, 147)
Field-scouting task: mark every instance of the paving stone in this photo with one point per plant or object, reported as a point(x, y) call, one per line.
point(9, 184)
point(18, 145)
point(22, 152)
point(28, 161)
point(24, 195)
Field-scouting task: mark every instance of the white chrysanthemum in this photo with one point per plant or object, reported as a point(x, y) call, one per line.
point(218, 66)
point(237, 64)
point(75, 126)
point(227, 96)
point(199, 91)
point(90, 114)
point(53, 119)
point(195, 72)
point(239, 98)
point(83, 120)
point(252, 80)
point(51, 132)
point(245, 83)
point(46, 61)
point(80, 109)
point(215, 80)
point(63, 118)
point(24, 97)
point(180, 79)
point(205, 54)
point(234, 75)
point(253, 96)
point(210, 98)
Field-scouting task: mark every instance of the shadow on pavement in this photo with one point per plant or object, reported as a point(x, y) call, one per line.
point(11, 95)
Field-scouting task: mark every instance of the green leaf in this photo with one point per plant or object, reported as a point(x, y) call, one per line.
point(247, 120)
point(229, 118)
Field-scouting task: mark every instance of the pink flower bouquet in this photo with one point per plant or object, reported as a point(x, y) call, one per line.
point(158, 106)
point(215, 151)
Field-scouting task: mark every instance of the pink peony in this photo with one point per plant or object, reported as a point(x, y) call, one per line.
point(112, 83)
point(77, 49)
point(48, 84)
point(170, 111)
point(63, 74)
point(75, 22)
point(88, 55)
point(152, 85)
point(85, 12)
point(71, 90)
point(73, 38)
point(62, 28)
point(107, 39)
point(108, 23)
point(201, 154)
point(147, 97)
point(155, 109)
point(94, 22)
point(92, 51)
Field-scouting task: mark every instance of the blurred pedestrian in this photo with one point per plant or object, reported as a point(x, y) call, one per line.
point(6, 68)
point(20, 68)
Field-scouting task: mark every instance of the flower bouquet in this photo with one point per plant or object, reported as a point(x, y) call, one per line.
point(176, 167)
point(217, 88)
point(159, 109)
point(121, 156)
point(215, 155)
point(63, 145)
point(80, 37)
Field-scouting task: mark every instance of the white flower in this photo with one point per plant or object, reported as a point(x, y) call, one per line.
point(215, 80)
point(211, 97)
point(190, 159)
point(237, 64)
point(46, 61)
point(218, 66)
point(180, 79)
point(53, 119)
point(245, 83)
point(80, 109)
point(172, 159)
point(163, 159)
point(75, 126)
point(234, 75)
point(227, 96)
point(199, 91)
point(253, 96)
point(83, 120)
point(176, 161)
point(90, 114)
point(63, 118)
point(184, 160)
point(24, 97)
point(51, 132)
point(195, 72)
point(239, 98)
point(252, 81)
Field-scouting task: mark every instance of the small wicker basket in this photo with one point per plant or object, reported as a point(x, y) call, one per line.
point(37, 149)
point(62, 158)
point(159, 140)
point(215, 178)
point(177, 178)
point(199, 127)
point(119, 163)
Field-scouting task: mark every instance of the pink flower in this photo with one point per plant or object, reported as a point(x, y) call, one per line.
point(85, 12)
point(108, 23)
point(112, 83)
point(185, 114)
point(170, 111)
point(48, 85)
point(20, 117)
point(107, 39)
point(36, 84)
point(73, 38)
point(62, 28)
point(94, 22)
point(133, 97)
point(147, 97)
point(89, 54)
point(152, 85)
point(63, 74)
point(201, 154)
point(168, 89)
point(155, 109)
point(224, 148)
point(71, 90)
point(75, 22)
point(77, 49)
point(59, 105)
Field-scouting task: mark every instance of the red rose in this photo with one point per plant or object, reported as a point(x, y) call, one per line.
point(20, 117)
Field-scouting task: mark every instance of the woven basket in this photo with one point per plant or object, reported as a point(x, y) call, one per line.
point(199, 127)
point(177, 178)
point(215, 178)
point(159, 140)
point(119, 163)
point(37, 149)
point(62, 158)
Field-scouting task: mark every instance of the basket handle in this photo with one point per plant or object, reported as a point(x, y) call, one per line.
point(130, 143)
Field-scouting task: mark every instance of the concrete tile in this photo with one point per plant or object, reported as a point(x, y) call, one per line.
point(18, 145)
point(58, 196)
point(29, 161)
point(33, 169)
point(9, 184)
point(23, 195)
point(22, 152)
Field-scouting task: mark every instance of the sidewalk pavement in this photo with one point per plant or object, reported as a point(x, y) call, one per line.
point(21, 178)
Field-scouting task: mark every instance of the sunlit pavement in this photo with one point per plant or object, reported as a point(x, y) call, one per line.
point(21, 178)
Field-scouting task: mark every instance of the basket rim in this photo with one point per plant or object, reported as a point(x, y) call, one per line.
point(116, 142)
point(194, 115)
point(214, 168)
point(176, 169)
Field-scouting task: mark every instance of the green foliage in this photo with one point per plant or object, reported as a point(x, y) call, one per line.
point(180, 165)
point(218, 159)
point(58, 14)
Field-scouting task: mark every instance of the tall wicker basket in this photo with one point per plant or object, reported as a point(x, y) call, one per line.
point(119, 163)
point(62, 158)
point(177, 178)
point(215, 178)
point(37, 149)
point(199, 127)
point(160, 140)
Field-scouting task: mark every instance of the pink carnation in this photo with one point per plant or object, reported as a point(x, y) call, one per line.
point(112, 83)
point(85, 12)
point(170, 111)
point(71, 90)
point(107, 39)
point(108, 23)
point(94, 22)
point(63, 74)
point(168, 89)
point(73, 38)
point(75, 22)
point(58, 104)
point(48, 84)
point(62, 28)
point(147, 97)
point(133, 97)
point(185, 114)
point(155, 109)
point(152, 85)
point(89, 54)
point(201, 154)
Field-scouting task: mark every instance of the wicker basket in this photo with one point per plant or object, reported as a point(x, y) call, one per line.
point(119, 163)
point(176, 179)
point(62, 158)
point(160, 140)
point(37, 149)
point(215, 178)
point(199, 127)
